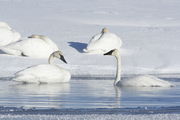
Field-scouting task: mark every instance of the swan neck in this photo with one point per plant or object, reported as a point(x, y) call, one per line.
point(51, 59)
point(118, 70)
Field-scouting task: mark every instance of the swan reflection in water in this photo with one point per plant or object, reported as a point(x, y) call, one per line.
point(83, 94)
point(41, 95)
point(141, 96)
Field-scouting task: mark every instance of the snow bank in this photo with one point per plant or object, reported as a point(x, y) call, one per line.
point(149, 30)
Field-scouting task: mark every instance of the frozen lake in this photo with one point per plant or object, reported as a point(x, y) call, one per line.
point(85, 92)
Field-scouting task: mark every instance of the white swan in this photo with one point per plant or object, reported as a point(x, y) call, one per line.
point(44, 73)
point(139, 81)
point(103, 42)
point(37, 46)
point(7, 34)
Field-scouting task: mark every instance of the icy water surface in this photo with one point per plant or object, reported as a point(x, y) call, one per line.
point(86, 92)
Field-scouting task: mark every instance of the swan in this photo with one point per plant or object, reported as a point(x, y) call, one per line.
point(36, 46)
point(44, 73)
point(139, 81)
point(103, 42)
point(7, 34)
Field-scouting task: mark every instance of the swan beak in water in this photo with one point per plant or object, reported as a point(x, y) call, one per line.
point(62, 58)
point(109, 53)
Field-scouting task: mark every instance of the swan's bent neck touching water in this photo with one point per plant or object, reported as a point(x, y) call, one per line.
point(116, 53)
point(139, 81)
point(45, 73)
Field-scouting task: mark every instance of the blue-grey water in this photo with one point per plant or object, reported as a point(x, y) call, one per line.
point(86, 93)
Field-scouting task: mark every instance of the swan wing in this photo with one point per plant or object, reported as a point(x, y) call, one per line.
point(92, 42)
point(104, 43)
point(31, 47)
point(44, 73)
point(8, 36)
point(146, 81)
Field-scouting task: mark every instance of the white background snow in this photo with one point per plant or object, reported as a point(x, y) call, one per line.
point(149, 30)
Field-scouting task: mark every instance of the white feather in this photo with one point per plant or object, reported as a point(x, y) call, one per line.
point(7, 34)
point(31, 47)
point(103, 42)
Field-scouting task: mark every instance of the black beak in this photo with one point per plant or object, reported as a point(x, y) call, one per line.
point(109, 53)
point(62, 58)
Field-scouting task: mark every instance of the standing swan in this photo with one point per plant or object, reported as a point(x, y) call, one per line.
point(103, 42)
point(139, 81)
point(45, 73)
point(36, 46)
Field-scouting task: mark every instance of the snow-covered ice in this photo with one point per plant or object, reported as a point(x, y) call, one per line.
point(149, 31)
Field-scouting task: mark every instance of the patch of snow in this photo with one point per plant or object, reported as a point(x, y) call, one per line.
point(149, 31)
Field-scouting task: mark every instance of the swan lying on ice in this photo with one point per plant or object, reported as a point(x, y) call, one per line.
point(7, 34)
point(45, 73)
point(139, 81)
point(103, 42)
point(37, 46)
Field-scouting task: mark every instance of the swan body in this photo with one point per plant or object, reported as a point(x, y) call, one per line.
point(139, 81)
point(103, 42)
point(144, 81)
point(8, 35)
point(44, 73)
point(36, 46)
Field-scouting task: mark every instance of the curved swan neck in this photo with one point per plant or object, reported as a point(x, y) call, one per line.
point(118, 69)
point(51, 59)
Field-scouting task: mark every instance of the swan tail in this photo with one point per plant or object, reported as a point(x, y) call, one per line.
point(24, 78)
point(11, 51)
point(85, 50)
point(98, 51)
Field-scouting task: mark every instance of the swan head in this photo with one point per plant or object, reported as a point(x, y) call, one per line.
point(114, 52)
point(105, 30)
point(57, 54)
point(38, 36)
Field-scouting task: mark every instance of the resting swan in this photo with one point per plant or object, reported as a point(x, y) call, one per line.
point(139, 81)
point(44, 73)
point(36, 46)
point(103, 42)
point(7, 34)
